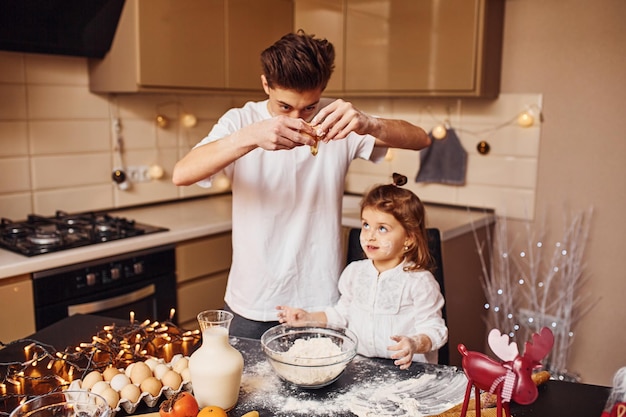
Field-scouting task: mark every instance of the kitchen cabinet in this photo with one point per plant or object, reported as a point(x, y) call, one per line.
point(407, 48)
point(202, 267)
point(18, 308)
point(162, 45)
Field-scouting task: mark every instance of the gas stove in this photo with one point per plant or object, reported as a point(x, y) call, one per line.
point(38, 234)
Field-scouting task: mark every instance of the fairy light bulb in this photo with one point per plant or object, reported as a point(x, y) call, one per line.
point(525, 119)
point(439, 132)
point(189, 120)
point(162, 121)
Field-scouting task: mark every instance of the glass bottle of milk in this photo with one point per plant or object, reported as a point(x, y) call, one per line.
point(216, 367)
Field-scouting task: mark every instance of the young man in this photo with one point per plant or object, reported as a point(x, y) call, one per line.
point(287, 201)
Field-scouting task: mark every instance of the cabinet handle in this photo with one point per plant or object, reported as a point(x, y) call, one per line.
point(97, 306)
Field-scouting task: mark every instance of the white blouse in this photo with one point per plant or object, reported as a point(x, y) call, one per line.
point(396, 302)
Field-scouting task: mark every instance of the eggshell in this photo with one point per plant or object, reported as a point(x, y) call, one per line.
point(119, 381)
point(99, 387)
point(140, 372)
point(111, 396)
point(90, 379)
point(172, 379)
point(131, 392)
point(180, 364)
point(109, 373)
point(160, 370)
point(151, 385)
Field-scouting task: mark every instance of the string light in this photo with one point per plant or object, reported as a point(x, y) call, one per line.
point(114, 345)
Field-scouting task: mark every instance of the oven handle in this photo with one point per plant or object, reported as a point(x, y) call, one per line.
point(102, 305)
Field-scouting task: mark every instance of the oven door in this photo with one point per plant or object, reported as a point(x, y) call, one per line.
point(142, 282)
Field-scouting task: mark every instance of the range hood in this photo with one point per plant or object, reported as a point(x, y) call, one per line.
point(63, 27)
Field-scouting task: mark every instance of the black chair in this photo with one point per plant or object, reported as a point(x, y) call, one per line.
point(434, 244)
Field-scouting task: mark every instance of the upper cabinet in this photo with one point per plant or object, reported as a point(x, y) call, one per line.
point(416, 48)
point(165, 45)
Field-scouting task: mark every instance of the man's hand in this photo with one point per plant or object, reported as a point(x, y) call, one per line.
point(339, 118)
point(278, 133)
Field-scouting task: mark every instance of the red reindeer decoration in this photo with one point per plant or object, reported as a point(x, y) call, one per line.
point(509, 380)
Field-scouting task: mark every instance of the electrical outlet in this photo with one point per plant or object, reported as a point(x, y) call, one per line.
point(138, 173)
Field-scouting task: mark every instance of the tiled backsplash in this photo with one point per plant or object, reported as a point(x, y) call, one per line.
point(58, 142)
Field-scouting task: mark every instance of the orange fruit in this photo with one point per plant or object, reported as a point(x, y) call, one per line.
point(212, 411)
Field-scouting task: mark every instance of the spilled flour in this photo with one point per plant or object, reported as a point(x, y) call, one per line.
point(371, 391)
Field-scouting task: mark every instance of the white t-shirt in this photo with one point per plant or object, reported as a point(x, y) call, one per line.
point(286, 219)
point(396, 302)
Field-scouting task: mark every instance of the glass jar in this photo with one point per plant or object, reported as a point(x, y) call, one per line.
point(216, 367)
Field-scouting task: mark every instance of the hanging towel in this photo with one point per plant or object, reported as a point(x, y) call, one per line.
point(444, 161)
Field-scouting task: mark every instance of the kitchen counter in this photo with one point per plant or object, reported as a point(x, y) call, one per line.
point(371, 384)
point(206, 216)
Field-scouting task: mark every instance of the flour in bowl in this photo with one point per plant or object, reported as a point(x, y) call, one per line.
point(309, 368)
point(303, 350)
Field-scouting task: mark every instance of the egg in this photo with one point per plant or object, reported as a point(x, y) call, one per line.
point(160, 370)
point(119, 381)
point(172, 379)
point(111, 396)
point(152, 363)
point(186, 375)
point(129, 369)
point(100, 386)
point(140, 372)
point(180, 364)
point(109, 373)
point(90, 379)
point(131, 392)
point(151, 385)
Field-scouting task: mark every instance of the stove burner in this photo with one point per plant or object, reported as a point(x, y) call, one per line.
point(38, 235)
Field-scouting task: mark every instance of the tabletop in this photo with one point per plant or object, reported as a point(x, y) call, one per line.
point(367, 385)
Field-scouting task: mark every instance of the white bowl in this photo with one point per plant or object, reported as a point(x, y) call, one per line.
point(314, 368)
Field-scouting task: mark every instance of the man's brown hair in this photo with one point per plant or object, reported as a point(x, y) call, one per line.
point(299, 62)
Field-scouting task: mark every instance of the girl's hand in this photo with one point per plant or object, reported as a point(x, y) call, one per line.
point(407, 346)
point(292, 316)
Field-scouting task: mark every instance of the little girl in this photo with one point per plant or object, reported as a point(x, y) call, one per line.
point(391, 295)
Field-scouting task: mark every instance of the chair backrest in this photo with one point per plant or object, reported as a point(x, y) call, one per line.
point(355, 252)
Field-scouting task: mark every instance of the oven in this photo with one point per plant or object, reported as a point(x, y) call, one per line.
point(143, 282)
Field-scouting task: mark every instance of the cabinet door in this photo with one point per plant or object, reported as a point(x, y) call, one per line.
point(18, 307)
point(181, 43)
point(252, 27)
point(398, 45)
point(324, 19)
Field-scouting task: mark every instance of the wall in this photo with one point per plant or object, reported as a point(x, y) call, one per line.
point(574, 53)
point(56, 142)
